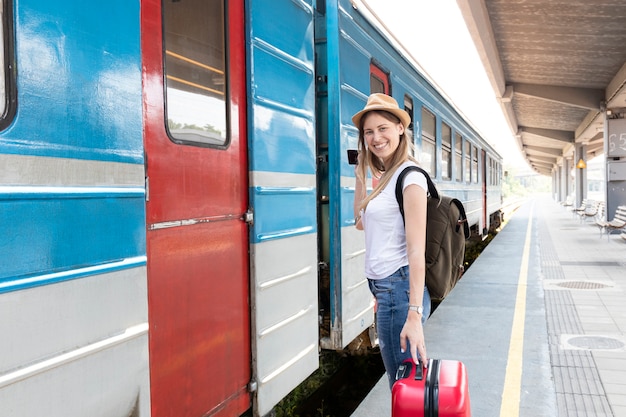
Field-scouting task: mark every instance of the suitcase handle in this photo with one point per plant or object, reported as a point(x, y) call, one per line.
point(419, 372)
point(405, 368)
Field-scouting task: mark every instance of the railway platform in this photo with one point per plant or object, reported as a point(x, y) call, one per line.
point(539, 320)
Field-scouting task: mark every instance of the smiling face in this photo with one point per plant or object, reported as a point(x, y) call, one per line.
point(381, 135)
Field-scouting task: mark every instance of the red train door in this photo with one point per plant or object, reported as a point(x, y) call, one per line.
point(197, 196)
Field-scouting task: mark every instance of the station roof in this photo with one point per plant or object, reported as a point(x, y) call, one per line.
point(556, 66)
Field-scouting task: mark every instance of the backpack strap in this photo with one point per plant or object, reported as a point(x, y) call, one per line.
point(462, 218)
point(432, 190)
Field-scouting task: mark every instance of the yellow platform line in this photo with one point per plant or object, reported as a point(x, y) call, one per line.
point(513, 379)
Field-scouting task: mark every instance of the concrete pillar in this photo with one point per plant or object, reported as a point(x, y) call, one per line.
point(567, 181)
point(581, 173)
point(564, 174)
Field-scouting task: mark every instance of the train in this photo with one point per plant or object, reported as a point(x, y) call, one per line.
point(177, 232)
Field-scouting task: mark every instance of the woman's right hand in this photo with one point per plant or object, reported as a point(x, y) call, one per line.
point(412, 336)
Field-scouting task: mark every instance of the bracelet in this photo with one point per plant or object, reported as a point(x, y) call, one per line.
point(417, 309)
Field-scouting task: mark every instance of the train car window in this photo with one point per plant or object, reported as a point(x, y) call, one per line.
point(194, 38)
point(8, 93)
point(379, 80)
point(458, 157)
point(446, 152)
point(468, 165)
point(494, 174)
point(427, 155)
point(408, 107)
point(475, 164)
point(498, 174)
point(376, 84)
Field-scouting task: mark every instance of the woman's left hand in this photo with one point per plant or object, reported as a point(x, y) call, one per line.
point(413, 333)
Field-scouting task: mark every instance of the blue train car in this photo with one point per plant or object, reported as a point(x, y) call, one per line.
point(356, 58)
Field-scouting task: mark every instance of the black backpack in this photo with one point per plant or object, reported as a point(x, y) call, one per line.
point(446, 232)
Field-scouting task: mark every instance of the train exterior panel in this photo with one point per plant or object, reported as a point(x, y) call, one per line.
point(176, 203)
point(283, 235)
point(73, 304)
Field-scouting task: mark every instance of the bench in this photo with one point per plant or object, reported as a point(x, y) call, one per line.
point(592, 210)
point(577, 210)
point(569, 202)
point(618, 222)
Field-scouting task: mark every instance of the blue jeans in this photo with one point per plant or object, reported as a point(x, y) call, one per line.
point(392, 297)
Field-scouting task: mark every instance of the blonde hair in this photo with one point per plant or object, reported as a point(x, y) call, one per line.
point(403, 153)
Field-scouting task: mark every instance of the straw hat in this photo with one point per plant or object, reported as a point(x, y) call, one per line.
point(379, 101)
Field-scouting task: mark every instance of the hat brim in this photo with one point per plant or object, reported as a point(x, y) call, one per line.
point(404, 117)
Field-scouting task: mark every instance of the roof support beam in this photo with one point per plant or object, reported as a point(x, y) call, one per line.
point(595, 148)
point(560, 135)
point(538, 158)
point(586, 98)
point(538, 164)
point(543, 150)
point(506, 105)
point(616, 85)
point(599, 137)
point(479, 25)
point(543, 170)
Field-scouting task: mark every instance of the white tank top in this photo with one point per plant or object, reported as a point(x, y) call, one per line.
point(385, 238)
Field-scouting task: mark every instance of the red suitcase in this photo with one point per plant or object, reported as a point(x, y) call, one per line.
point(441, 390)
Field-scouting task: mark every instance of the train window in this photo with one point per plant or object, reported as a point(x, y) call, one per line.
point(427, 156)
point(4, 72)
point(468, 165)
point(446, 152)
point(458, 157)
point(379, 80)
point(8, 94)
point(376, 84)
point(195, 72)
point(475, 164)
point(495, 179)
point(499, 174)
point(408, 107)
point(495, 173)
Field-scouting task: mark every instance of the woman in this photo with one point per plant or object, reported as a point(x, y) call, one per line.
point(394, 251)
